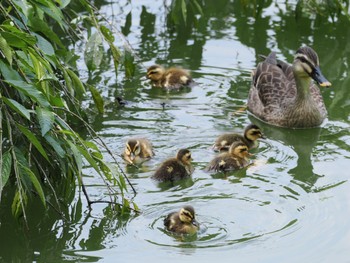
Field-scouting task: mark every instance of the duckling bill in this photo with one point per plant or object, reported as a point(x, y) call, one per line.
point(172, 78)
point(251, 134)
point(236, 158)
point(183, 221)
point(175, 168)
point(284, 95)
point(137, 149)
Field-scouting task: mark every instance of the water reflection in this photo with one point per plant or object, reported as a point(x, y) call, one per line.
point(302, 142)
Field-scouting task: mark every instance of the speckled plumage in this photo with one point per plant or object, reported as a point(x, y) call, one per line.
point(182, 222)
point(175, 168)
point(137, 149)
point(236, 158)
point(172, 78)
point(283, 95)
point(251, 133)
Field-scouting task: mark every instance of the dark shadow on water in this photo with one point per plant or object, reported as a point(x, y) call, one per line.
point(177, 185)
point(302, 142)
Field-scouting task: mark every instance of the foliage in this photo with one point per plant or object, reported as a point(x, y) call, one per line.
point(325, 7)
point(40, 99)
point(183, 13)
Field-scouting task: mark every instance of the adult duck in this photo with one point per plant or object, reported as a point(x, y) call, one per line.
point(284, 95)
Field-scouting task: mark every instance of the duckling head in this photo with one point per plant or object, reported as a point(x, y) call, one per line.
point(184, 156)
point(155, 72)
point(253, 132)
point(239, 149)
point(306, 65)
point(188, 216)
point(132, 150)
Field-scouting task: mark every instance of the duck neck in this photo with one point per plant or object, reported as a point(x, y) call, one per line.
point(303, 89)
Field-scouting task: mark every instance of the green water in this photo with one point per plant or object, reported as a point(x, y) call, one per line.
point(292, 206)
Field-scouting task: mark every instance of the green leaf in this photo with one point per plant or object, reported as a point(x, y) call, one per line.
point(6, 50)
point(18, 201)
point(31, 137)
point(46, 119)
point(55, 145)
point(8, 72)
point(45, 45)
point(19, 39)
point(88, 158)
point(97, 98)
point(76, 83)
point(77, 156)
point(19, 108)
point(30, 91)
point(6, 167)
point(93, 51)
point(116, 56)
point(184, 10)
point(108, 35)
point(38, 25)
point(36, 184)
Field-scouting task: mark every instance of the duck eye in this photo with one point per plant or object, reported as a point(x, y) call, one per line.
point(189, 156)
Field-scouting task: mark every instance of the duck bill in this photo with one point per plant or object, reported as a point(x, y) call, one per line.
point(195, 223)
point(319, 78)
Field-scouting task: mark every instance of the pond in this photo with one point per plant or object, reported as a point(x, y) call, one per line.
point(292, 205)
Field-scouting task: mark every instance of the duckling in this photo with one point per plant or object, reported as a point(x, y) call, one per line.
point(182, 222)
point(172, 78)
point(251, 134)
point(175, 168)
point(137, 149)
point(283, 95)
point(234, 159)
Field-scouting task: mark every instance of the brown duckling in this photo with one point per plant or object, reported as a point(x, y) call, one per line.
point(234, 159)
point(175, 168)
point(137, 149)
point(251, 134)
point(183, 221)
point(172, 78)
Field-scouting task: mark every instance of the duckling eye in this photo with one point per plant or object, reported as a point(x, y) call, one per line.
point(243, 150)
point(189, 156)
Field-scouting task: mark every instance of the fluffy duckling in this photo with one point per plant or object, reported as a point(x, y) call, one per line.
point(183, 221)
point(137, 149)
point(175, 168)
point(234, 159)
point(172, 78)
point(251, 134)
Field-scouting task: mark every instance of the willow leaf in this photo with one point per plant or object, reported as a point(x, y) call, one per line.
point(31, 137)
point(93, 52)
point(19, 108)
point(30, 91)
point(8, 72)
point(97, 98)
point(77, 84)
point(6, 50)
point(88, 158)
point(46, 119)
point(6, 167)
point(77, 156)
point(36, 184)
point(55, 145)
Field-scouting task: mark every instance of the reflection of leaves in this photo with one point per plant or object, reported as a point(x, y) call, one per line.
point(127, 26)
point(129, 64)
point(94, 51)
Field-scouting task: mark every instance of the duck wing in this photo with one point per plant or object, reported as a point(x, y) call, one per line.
point(271, 81)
